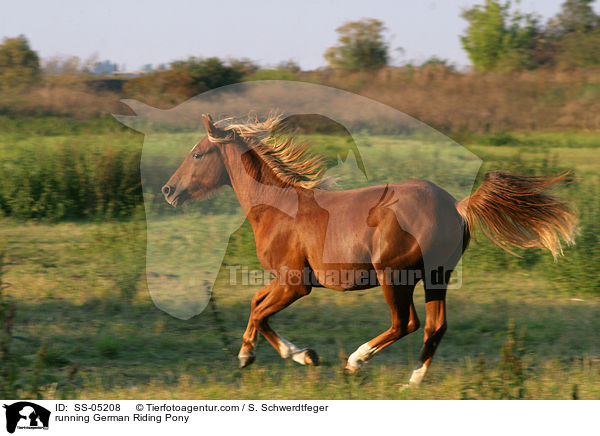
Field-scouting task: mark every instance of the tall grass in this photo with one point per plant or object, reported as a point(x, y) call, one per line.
point(69, 179)
point(450, 101)
point(73, 96)
point(481, 102)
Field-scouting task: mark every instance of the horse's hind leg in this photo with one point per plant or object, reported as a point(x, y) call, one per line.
point(404, 321)
point(435, 327)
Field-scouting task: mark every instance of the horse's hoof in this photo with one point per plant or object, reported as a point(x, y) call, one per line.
point(409, 387)
point(246, 360)
point(351, 369)
point(311, 357)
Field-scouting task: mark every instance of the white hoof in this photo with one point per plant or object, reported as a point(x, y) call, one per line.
point(246, 358)
point(357, 359)
point(353, 369)
point(417, 375)
point(306, 357)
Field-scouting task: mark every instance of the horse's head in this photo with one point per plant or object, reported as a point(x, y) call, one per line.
point(201, 172)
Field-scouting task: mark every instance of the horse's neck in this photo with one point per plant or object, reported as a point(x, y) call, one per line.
point(255, 184)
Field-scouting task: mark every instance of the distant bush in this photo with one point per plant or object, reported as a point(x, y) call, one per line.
point(187, 78)
point(19, 65)
point(435, 62)
point(161, 88)
point(208, 73)
point(276, 74)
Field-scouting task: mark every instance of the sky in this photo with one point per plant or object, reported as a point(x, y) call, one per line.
point(133, 33)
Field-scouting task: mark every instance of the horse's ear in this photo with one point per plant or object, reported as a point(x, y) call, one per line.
point(211, 129)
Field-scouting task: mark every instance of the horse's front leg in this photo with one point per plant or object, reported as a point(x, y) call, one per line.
point(270, 300)
point(247, 353)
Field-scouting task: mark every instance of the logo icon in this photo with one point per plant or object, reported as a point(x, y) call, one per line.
point(26, 415)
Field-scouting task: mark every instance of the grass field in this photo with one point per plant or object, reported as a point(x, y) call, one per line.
point(86, 327)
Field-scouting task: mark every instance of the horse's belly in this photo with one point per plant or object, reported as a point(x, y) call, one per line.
point(345, 278)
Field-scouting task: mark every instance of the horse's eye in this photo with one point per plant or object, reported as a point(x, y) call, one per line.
point(197, 155)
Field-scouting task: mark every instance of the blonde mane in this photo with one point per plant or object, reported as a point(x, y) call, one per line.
point(290, 162)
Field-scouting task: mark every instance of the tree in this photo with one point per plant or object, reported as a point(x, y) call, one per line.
point(187, 78)
point(575, 16)
point(436, 62)
point(496, 39)
point(574, 34)
point(361, 45)
point(19, 64)
point(104, 68)
point(208, 73)
point(579, 49)
point(62, 65)
point(243, 66)
point(290, 65)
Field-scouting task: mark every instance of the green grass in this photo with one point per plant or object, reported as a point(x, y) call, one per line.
point(80, 289)
point(68, 300)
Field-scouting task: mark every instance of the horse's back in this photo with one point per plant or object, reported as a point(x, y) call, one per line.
point(397, 223)
point(410, 199)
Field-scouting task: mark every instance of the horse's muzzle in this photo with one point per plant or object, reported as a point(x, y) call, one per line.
point(171, 197)
point(168, 191)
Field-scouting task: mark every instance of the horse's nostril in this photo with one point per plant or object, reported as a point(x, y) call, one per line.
point(166, 190)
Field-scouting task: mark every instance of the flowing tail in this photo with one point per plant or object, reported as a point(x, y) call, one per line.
point(516, 211)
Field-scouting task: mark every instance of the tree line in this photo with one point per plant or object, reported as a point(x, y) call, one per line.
point(498, 38)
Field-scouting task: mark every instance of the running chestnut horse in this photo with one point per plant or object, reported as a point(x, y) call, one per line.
point(309, 236)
